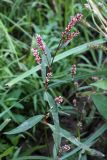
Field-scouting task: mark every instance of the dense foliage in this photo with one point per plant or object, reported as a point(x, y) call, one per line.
point(55, 110)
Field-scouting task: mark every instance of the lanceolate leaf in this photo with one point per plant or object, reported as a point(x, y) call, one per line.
point(4, 124)
point(75, 141)
point(100, 102)
point(48, 55)
point(26, 125)
point(6, 152)
point(100, 84)
point(73, 51)
point(88, 142)
point(43, 67)
point(34, 158)
point(54, 112)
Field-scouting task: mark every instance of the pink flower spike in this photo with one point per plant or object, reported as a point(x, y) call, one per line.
point(59, 99)
point(36, 55)
point(40, 43)
point(72, 23)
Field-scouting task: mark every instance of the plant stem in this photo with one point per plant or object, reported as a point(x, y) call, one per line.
point(57, 50)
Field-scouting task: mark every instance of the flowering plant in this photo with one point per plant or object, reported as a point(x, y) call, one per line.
point(46, 60)
point(51, 116)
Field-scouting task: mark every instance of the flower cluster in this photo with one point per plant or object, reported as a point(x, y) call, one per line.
point(41, 46)
point(73, 70)
point(48, 76)
point(36, 55)
point(40, 43)
point(59, 99)
point(71, 36)
point(64, 148)
point(66, 35)
point(72, 23)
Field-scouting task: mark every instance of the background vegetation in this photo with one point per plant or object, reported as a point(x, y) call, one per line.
point(22, 88)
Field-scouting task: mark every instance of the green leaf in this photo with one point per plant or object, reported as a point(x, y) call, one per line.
point(4, 124)
point(7, 110)
point(67, 135)
point(48, 54)
point(7, 152)
point(35, 102)
point(75, 141)
point(43, 67)
point(80, 49)
point(88, 142)
point(26, 125)
point(16, 154)
point(16, 24)
point(100, 84)
point(100, 102)
point(9, 40)
point(54, 112)
point(74, 51)
point(96, 134)
point(34, 157)
point(82, 156)
point(30, 151)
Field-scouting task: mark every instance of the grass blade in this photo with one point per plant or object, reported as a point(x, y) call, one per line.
point(26, 124)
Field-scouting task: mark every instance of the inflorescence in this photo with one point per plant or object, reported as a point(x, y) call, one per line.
point(65, 37)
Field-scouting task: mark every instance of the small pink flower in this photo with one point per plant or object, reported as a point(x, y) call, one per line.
point(59, 99)
point(38, 59)
point(40, 43)
point(72, 23)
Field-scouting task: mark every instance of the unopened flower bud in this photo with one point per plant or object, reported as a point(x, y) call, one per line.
point(48, 76)
point(76, 84)
point(79, 124)
point(74, 102)
point(59, 99)
point(64, 148)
